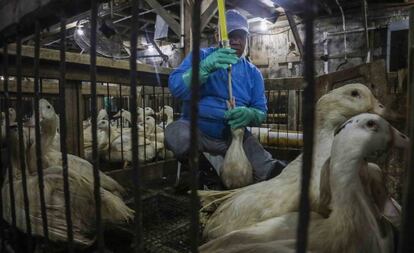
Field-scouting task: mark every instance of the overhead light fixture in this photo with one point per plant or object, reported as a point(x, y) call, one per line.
point(79, 31)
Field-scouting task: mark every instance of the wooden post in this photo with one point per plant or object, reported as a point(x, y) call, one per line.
point(188, 13)
point(74, 117)
point(293, 110)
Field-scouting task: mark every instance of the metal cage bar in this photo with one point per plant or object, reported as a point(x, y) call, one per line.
point(308, 118)
point(62, 118)
point(194, 153)
point(109, 117)
point(22, 151)
point(95, 158)
point(8, 163)
point(121, 121)
point(137, 178)
point(39, 162)
point(407, 222)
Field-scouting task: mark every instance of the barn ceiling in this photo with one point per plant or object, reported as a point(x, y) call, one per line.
point(119, 13)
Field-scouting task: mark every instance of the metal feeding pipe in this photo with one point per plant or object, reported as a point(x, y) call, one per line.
point(344, 30)
point(365, 10)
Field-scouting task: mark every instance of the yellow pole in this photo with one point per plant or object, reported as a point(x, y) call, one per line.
point(225, 41)
point(222, 20)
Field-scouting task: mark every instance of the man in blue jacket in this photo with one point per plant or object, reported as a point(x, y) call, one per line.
point(214, 118)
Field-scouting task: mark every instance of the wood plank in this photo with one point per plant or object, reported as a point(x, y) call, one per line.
point(84, 59)
point(172, 23)
point(74, 116)
point(208, 14)
point(293, 112)
point(151, 172)
point(50, 70)
point(188, 10)
point(373, 75)
point(51, 87)
point(295, 32)
point(295, 83)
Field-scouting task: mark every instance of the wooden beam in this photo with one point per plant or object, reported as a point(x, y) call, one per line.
point(151, 172)
point(208, 14)
point(295, 83)
point(84, 59)
point(108, 70)
point(295, 32)
point(74, 115)
point(52, 88)
point(172, 23)
point(188, 10)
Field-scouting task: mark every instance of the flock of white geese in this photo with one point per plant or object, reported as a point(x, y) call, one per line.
point(115, 140)
point(350, 209)
point(81, 186)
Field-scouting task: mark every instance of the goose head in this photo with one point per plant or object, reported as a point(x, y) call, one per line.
point(48, 122)
point(46, 111)
point(12, 115)
point(167, 110)
point(103, 114)
point(119, 113)
point(238, 134)
point(150, 124)
point(367, 135)
point(149, 111)
point(340, 104)
point(103, 125)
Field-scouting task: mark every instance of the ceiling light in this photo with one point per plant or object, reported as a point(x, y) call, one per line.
point(79, 31)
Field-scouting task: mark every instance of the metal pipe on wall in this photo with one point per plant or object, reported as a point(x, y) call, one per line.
point(365, 12)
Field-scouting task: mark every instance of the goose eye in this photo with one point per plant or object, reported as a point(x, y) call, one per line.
point(355, 93)
point(371, 124)
point(48, 107)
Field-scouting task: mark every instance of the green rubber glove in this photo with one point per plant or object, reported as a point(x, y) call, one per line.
point(219, 59)
point(244, 116)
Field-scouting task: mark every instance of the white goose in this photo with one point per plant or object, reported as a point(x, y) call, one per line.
point(81, 199)
point(12, 116)
point(2, 127)
point(354, 224)
point(51, 157)
point(120, 148)
point(149, 111)
point(280, 195)
point(166, 111)
point(236, 171)
point(87, 132)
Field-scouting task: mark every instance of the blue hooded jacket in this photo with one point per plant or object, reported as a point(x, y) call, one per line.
point(248, 90)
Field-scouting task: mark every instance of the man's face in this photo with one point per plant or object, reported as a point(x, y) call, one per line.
point(238, 40)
